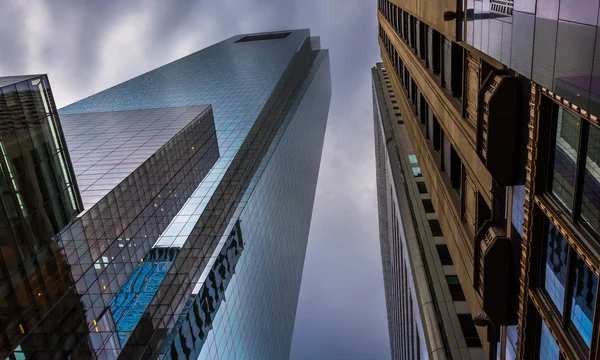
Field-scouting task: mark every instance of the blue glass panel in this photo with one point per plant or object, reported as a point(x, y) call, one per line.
point(416, 171)
point(557, 249)
point(412, 158)
point(584, 299)
point(511, 342)
point(518, 211)
point(548, 347)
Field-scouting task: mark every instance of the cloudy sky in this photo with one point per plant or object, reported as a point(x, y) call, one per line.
point(87, 46)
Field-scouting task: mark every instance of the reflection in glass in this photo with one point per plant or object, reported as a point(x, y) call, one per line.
point(565, 156)
point(584, 299)
point(511, 342)
point(557, 249)
point(548, 347)
point(416, 171)
point(518, 211)
point(590, 206)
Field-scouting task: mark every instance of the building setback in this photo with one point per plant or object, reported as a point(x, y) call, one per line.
point(196, 182)
point(500, 103)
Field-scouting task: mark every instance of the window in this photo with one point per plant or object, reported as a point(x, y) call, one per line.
point(518, 211)
point(455, 288)
point(422, 187)
point(436, 230)
point(416, 171)
point(455, 169)
point(565, 156)
point(590, 206)
point(444, 254)
point(437, 134)
point(469, 331)
point(548, 347)
point(574, 277)
point(428, 205)
point(412, 158)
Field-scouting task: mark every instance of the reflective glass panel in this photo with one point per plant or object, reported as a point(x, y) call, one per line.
point(565, 156)
point(548, 347)
point(584, 299)
point(518, 211)
point(590, 205)
point(557, 249)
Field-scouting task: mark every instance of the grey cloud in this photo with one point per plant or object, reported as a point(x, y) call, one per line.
point(86, 46)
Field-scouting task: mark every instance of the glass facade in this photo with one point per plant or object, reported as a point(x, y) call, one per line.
point(550, 42)
point(39, 197)
point(165, 178)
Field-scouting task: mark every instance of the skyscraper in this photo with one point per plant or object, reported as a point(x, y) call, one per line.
point(500, 103)
point(428, 317)
point(198, 180)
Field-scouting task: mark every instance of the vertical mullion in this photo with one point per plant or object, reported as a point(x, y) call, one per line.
point(580, 175)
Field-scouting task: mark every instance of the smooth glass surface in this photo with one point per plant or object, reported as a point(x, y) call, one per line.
point(565, 156)
point(548, 347)
point(555, 279)
point(590, 206)
point(584, 300)
point(518, 210)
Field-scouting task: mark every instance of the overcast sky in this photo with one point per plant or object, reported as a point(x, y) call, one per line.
point(87, 46)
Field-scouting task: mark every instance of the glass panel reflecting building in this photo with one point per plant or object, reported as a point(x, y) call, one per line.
point(197, 180)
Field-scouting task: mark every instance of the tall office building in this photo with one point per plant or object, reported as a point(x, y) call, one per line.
point(500, 104)
point(428, 317)
point(197, 181)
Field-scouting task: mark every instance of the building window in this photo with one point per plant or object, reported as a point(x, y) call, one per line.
point(422, 187)
point(469, 331)
point(548, 347)
point(566, 147)
point(584, 289)
point(428, 205)
point(412, 158)
point(455, 288)
point(518, 210)
point(573, 277)
point(436, 230)
point(444, 254)
point(437, 134)
point(416, 171)
point(557, 249)
point(590, 202)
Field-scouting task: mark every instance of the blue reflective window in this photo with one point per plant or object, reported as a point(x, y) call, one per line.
point(412, 158)
point(584, 299)
point(511, 342)
point(518, 211)
point(416, 171)
point(548, 347)
point(557, 249)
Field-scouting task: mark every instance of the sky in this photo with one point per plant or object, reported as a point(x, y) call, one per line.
point(87, 46)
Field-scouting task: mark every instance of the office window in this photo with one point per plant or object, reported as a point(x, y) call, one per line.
point(455, 169)
point(412, 158)
point(446, 154)
point(424, 109)
point(455, 288)
point(555, 279)
point(423, 34)
point(565, 156)
point(428, 205)
point(548, 347)
point(422, 187)
point(447, 58)
point(436, 52)
point(436, 230)
point(518, 211)
point(583, 303)
point(590, 206)
point(437, 133)
point(469, 331)
point(444, 254)
point(416, 171)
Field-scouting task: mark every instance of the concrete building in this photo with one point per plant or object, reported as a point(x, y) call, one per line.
point(499, 100)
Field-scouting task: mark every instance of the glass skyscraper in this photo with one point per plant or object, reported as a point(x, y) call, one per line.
point(197, 181)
